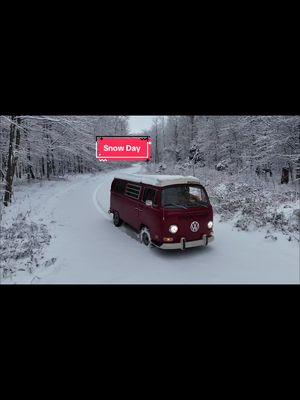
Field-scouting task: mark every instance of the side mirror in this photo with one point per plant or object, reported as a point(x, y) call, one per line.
point(149, 203)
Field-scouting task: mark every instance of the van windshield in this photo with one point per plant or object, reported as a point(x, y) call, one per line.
point(184, 196)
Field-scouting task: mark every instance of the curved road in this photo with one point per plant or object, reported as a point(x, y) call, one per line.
point(89, 249)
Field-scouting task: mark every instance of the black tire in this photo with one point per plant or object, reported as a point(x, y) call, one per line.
point(145, 237)
point(116, 219)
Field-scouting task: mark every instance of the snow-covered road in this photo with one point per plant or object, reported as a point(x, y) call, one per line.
point(89, 249)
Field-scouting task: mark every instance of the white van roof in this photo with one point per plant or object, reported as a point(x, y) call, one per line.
point(158, 180)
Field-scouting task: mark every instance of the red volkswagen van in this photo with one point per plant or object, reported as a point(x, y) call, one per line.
point(169, 211)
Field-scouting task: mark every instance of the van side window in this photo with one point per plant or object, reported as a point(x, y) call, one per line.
point(150, 194)
point(119, 186)
point(133, 190)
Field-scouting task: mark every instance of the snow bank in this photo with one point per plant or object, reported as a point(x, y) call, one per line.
point(21, 245)
point(248, 202)
point(26, 228)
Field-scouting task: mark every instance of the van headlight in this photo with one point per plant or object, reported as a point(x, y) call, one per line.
point(173, 228)
point(210, 224)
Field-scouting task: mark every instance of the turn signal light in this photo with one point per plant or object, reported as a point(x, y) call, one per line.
point(168, 239)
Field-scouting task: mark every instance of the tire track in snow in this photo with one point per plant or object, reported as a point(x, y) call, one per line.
point(98, 206)
point(103, 209)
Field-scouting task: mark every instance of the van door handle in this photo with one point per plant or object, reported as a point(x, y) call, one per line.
point(138, 209)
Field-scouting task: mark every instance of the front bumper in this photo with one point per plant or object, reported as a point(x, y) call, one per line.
point(183, 244)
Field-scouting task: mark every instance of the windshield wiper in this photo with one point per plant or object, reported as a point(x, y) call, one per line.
point(175, 205)
point(202, 203)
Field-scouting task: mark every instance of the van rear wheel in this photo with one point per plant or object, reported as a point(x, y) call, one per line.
point(145, 237)
point(116, 219)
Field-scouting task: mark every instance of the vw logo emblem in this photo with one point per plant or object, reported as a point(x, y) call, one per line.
point(194, 226)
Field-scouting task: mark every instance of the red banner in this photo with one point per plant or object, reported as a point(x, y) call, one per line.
point(123, 148)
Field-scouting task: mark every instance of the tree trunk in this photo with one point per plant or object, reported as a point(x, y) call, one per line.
point(175, 134)
point(192, 121)
point(52, 164)
point(12, 159)
point(43, 167)
point(291, 171)
point(48, 165)
point(30, 173)
point(284, 175)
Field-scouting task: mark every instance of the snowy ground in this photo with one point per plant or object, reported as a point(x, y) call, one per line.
point(87, 248)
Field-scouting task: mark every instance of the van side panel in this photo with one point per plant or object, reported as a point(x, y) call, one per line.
point(130, 212)
point(126, 206)
point(117, 204)
point(151, 217)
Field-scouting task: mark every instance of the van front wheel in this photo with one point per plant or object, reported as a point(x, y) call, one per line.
point(145, 237)
point(116, 219)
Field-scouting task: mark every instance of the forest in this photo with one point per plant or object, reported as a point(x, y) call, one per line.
point(261, 144)
point(249, 164)
point(46, 147)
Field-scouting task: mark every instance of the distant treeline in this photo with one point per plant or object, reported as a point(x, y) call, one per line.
point(262, 144)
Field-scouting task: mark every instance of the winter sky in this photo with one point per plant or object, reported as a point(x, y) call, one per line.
point(139, 122)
